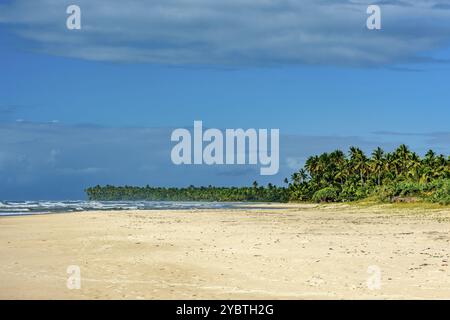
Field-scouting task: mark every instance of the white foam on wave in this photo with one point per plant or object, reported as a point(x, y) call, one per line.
point(43, 207)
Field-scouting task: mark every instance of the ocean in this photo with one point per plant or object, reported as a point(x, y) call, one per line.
point(14, 208)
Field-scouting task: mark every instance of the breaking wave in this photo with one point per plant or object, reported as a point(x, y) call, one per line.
point(11, 208)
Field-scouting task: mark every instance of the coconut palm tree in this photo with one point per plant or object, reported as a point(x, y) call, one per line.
point(403, 155)
point(377, 164)
point(358, 162)
point(414, 167)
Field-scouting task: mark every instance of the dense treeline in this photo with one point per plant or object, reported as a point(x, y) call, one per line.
point(401, 175)
point(256, 193)
point(398, 175)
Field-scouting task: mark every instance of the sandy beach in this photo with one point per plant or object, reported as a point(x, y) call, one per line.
point(278, 252)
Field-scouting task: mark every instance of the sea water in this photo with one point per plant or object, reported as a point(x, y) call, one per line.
point(12, 208)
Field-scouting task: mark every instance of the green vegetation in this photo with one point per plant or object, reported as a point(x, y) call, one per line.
point(400, 176)
point(256, 193)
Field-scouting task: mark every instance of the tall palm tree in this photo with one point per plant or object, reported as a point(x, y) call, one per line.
point(440, 166)
point(378, 164)
point(403, 154)
point(299, 177)
point(414, 166)
point(337, 166)
point(312, 165)
point(358, 162)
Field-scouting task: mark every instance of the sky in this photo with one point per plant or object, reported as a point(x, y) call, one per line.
point(98, 105)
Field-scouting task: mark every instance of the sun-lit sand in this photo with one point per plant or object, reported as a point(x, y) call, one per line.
point(275, 252)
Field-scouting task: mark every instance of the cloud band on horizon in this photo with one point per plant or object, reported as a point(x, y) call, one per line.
point(68, 158)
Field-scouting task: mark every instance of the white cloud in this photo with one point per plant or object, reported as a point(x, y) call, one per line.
point(235, 32)
point(294, 163)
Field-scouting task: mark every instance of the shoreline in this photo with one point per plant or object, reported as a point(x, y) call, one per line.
point(294, 252)
point(39, 207)
point(198, 205)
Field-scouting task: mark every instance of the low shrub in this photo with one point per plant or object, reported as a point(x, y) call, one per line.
point(442, 193)
point(328, 194)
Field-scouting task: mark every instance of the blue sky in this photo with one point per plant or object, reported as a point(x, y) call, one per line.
point(97, 105)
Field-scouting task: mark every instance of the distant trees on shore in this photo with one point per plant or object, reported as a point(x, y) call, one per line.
point(329, 177)
point(256, 193)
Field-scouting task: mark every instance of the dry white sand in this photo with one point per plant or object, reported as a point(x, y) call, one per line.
point(296, 252)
